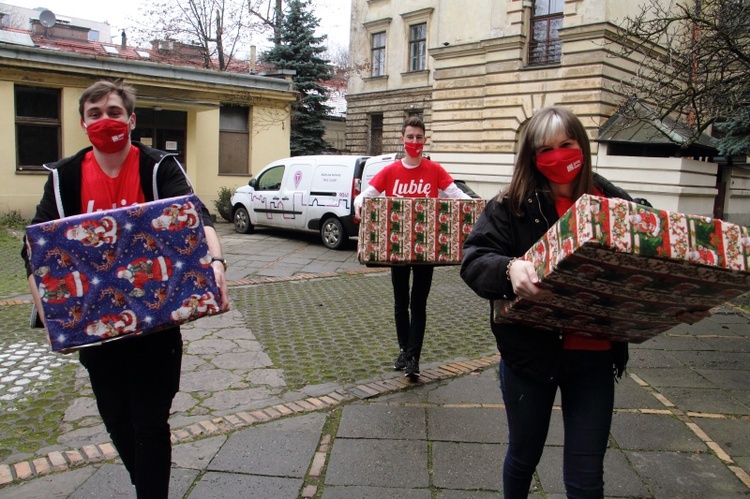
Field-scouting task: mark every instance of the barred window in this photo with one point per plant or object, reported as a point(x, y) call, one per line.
point(376, 135)
point(546, 20)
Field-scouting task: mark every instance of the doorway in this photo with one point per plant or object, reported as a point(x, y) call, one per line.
point(162, 129)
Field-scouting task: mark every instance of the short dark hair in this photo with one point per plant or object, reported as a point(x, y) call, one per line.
point(415, 121)
point(104, 87)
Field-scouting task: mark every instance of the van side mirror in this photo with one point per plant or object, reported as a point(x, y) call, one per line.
point(253, 182)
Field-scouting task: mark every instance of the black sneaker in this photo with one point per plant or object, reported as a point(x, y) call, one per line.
point(412, 369)
point(400, 362)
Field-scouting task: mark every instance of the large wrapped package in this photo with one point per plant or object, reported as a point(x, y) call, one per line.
point(623, 271)
point(125, 271)
point(397, 231)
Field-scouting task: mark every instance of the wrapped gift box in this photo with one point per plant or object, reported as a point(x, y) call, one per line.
point(624, 271)
point(124, 271)
point(415, 230)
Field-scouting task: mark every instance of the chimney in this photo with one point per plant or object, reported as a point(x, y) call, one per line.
point(124, 40)
point(252, 59)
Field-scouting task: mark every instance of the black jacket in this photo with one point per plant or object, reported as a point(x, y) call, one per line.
point(499, 236)
point(161, 174)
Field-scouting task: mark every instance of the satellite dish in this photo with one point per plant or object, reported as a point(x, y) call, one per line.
point(47, 18)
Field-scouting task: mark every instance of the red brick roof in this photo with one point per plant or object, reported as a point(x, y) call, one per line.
point(174, 57)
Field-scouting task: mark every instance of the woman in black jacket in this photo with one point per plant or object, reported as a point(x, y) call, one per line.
point(553, 169)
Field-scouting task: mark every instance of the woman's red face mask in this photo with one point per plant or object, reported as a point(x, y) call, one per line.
point(561, 166)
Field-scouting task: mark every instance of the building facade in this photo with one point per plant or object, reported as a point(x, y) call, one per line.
point(223, 125)
point(476, 72)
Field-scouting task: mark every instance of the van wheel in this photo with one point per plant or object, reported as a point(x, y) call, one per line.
point(242, 221)
point(332, 233)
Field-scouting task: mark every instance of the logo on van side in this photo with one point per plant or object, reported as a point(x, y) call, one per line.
point(297, 178)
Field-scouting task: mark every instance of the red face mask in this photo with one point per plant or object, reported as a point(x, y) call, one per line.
point(560, 166)
point(413, 149)
point(108, 135)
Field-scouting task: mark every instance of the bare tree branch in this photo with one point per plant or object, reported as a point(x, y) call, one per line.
point(693, 59)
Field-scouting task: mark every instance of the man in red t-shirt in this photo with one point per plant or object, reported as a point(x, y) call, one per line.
point(411, 177)
point(134, 379)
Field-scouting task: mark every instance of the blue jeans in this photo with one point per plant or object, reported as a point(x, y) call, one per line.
point(586, 382)
point(134, 381)
point(410, 332)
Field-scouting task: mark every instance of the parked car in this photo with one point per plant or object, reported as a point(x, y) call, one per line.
point(307, 193)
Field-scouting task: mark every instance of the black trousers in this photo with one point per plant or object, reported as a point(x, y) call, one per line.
point(134, 381)
point(410, 330)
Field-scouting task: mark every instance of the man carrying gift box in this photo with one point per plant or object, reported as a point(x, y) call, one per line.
point(411, 177)
point(134, 379)
point(553, 169)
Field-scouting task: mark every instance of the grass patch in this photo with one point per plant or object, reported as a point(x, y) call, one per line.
point(13, 220)
point(12, 272)
point(329, 337)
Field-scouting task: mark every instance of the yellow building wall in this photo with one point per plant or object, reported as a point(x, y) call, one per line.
point(203, 160)
point(269, 140)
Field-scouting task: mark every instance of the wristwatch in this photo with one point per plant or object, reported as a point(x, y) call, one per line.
point(220, 259)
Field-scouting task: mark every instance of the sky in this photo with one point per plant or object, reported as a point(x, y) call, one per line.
point(334, 15)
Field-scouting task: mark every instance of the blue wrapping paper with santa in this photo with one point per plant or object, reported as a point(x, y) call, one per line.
point(126, 271)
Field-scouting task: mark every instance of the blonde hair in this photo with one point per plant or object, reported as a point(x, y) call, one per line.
point(542, 128)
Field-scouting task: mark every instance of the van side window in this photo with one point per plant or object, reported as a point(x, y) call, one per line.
point(271, 179)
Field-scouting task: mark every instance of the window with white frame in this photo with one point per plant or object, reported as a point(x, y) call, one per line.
point(417, 47)
point(37, 127)
point(416, 25)
point(545, 47)
point(378, 31)
point(378, 54)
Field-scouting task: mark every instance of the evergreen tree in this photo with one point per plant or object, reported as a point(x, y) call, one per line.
point(296, 47)
point(736, 130)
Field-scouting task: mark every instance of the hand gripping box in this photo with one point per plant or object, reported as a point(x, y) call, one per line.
point(397, 231)
point(124, 271)
point(624, 271)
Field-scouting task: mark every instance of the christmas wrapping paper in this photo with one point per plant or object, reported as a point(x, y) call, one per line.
point(624, 271)
point(397, 231)
point(124, 271)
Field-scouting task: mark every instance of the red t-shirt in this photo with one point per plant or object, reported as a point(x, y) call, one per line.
point(574, 341)
point(102, 192)
point(422, 181)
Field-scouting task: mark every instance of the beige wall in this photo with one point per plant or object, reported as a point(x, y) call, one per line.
point(480, 91)
point(335, 133)
point(269, 137)
point(737, 205)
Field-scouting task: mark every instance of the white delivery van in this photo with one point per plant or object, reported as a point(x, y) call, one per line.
point(309, 193)
point(376, 163)
point(372, 166)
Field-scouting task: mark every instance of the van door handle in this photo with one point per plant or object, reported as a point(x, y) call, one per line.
point(285, 199)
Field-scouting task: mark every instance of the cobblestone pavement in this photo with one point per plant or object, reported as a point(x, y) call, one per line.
point(305, 319)
point(310, 335)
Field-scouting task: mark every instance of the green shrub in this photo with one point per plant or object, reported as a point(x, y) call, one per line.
point(223, 204)
point(13, 220)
